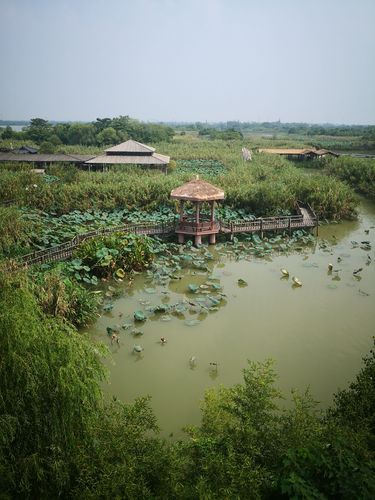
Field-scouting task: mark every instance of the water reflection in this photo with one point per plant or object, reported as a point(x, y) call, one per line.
point(317, 333)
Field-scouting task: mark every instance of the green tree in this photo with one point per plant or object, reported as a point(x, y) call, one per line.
point(47, 147)
point(39, 130)
point(7, 133)
point(49, 393)
point(107, 136)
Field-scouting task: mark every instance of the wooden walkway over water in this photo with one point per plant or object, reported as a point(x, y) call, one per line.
point(305, 219)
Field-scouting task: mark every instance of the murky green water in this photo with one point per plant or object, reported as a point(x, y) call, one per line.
point(317, 333)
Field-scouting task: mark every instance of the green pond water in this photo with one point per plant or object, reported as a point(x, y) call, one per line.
point(317, 333)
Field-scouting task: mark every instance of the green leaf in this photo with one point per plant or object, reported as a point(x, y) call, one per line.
point(139, 316)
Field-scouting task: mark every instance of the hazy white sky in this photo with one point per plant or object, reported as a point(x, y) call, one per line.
point(188, 60)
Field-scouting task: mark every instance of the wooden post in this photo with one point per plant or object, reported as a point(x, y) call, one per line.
point(290, 226)
point(212, 214)
point(212, 239)
point(261, 228)
point(181, 210)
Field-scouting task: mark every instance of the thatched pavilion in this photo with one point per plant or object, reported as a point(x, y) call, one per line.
point(197, 192)
point(129, 153)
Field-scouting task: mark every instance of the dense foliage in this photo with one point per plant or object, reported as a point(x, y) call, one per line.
point(359, 173)
point(102, 132)
point(267, 185)
point(59, 437)
point(106, 255)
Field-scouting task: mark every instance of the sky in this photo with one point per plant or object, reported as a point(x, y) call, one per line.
point(188, 60)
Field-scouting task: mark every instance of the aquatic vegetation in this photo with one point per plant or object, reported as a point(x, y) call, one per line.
point(139, 316)
point(105, 255)
point(205, 168)
point(296, 281)
point(241, 282)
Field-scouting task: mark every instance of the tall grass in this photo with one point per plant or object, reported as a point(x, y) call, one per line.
point(359, 173)
point(267, 185)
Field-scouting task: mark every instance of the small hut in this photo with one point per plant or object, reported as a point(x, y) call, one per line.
point(198, 193)
point(129, 153)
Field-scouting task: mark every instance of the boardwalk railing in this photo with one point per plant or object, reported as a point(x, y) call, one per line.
point(65, 250)
point(306, 218)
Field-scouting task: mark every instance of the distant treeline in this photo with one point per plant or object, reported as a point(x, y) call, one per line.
point(278, 127)
point(102, 132)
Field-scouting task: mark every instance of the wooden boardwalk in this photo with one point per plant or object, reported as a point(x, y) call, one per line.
point(65, 250)
point(305, 219)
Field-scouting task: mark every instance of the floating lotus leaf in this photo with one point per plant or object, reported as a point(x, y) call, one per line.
point(150, 290)
point(192, 322)
point(161, 308)
point(193, 288)
point(180, 308)
point(136, 332)
point(108, 307)
point(137, 348)
point(241, 282)
point(214, 300)
point(139, 316)
point(332, 286)
point(126, 326)
point(216, 286)
point(166, 317)
point(296, 281)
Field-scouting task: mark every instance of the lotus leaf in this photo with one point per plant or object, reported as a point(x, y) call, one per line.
point(193, 288)
point(161, 308)
point(192, 322)
point(136, 332)
point(120, 273)
point(241, 282)
point(139, 316)
point(214, 300)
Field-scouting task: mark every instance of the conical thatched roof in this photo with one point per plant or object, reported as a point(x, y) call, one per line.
point(197, 190)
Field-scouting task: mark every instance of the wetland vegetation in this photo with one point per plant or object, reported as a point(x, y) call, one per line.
point(66, 432)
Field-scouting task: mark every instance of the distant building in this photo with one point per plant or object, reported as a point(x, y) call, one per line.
point(26, 150)
point(43, 160)
point(129, 153)
point(299, 154)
